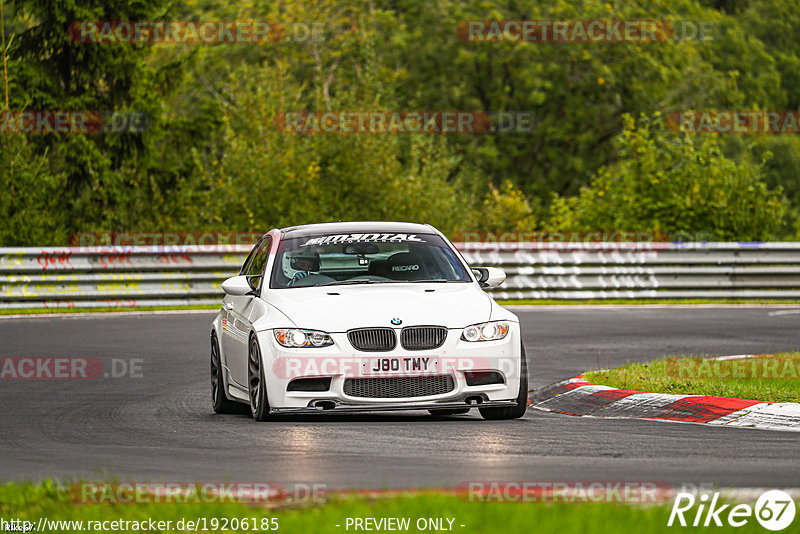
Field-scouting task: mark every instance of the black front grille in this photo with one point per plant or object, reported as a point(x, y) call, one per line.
point(393, 388)
point(422, 337)
point(373, 339)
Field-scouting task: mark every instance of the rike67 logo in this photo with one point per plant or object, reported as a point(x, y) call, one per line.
point(774, 510)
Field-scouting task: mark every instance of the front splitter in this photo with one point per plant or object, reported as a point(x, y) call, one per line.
point(356, 408)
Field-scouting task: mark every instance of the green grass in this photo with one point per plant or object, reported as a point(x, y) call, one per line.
point(694, 375)
point(31, 502)
point(617, 302)
point(50, 311)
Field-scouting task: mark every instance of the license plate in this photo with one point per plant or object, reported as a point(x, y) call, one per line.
point(400, 366)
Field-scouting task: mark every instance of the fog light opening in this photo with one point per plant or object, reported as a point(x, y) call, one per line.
point(483, 378)
point(309, 384)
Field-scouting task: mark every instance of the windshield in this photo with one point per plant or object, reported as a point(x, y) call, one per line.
point(365, 259)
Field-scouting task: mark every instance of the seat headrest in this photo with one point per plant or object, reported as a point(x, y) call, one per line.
point(405, 266)
point(378, 268)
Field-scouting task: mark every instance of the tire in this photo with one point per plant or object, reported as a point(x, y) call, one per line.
point(219, 401)
point(512, 412)
point(450, 411)
point(259, 402)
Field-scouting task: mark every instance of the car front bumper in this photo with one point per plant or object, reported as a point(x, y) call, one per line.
point(341, 362)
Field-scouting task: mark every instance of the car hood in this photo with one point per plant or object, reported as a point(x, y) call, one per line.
point(341, 308)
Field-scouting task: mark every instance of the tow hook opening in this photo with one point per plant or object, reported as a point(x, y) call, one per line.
point(472, 401)
point(324, 405)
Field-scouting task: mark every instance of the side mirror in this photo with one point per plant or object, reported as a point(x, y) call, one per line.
point(237, 286)
point(489, 276)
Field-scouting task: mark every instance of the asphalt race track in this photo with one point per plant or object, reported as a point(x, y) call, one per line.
point(160, 427)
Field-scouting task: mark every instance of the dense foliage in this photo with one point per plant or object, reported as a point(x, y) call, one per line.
point(599, 157)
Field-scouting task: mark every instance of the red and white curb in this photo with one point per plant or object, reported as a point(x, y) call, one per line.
point(577, 397)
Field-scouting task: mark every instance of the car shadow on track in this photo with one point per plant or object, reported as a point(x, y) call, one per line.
point(377, 417)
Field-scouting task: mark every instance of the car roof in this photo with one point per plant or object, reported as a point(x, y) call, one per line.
point(356, 227)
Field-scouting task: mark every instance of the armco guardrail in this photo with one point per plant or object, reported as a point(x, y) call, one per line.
point(64, 277)
point(642, 270)
point(72, 277)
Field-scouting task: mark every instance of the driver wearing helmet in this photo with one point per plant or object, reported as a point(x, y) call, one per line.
point(305, 264)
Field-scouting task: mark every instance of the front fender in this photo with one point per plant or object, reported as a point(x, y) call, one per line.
point(265, 316)
point(500, 313)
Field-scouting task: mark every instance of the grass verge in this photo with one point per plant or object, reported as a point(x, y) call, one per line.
point(31, 502)
point(618, 302)
point(769, 378)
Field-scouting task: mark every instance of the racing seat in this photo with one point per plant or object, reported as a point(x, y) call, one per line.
point(406, 266)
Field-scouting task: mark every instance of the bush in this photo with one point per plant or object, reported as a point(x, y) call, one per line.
point(507, 210)
point(671, 184)
point(30, 203)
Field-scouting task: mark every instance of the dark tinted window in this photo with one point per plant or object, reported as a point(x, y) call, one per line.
point(253, 267)
point(249, 258)
point(260, 257)
point(365, 258)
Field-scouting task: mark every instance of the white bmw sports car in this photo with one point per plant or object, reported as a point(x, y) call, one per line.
point(365, 316)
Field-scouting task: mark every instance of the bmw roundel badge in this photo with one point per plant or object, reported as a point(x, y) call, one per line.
point(396, 321)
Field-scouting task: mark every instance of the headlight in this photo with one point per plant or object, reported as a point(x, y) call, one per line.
point(486, 331)
point(297, 338)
